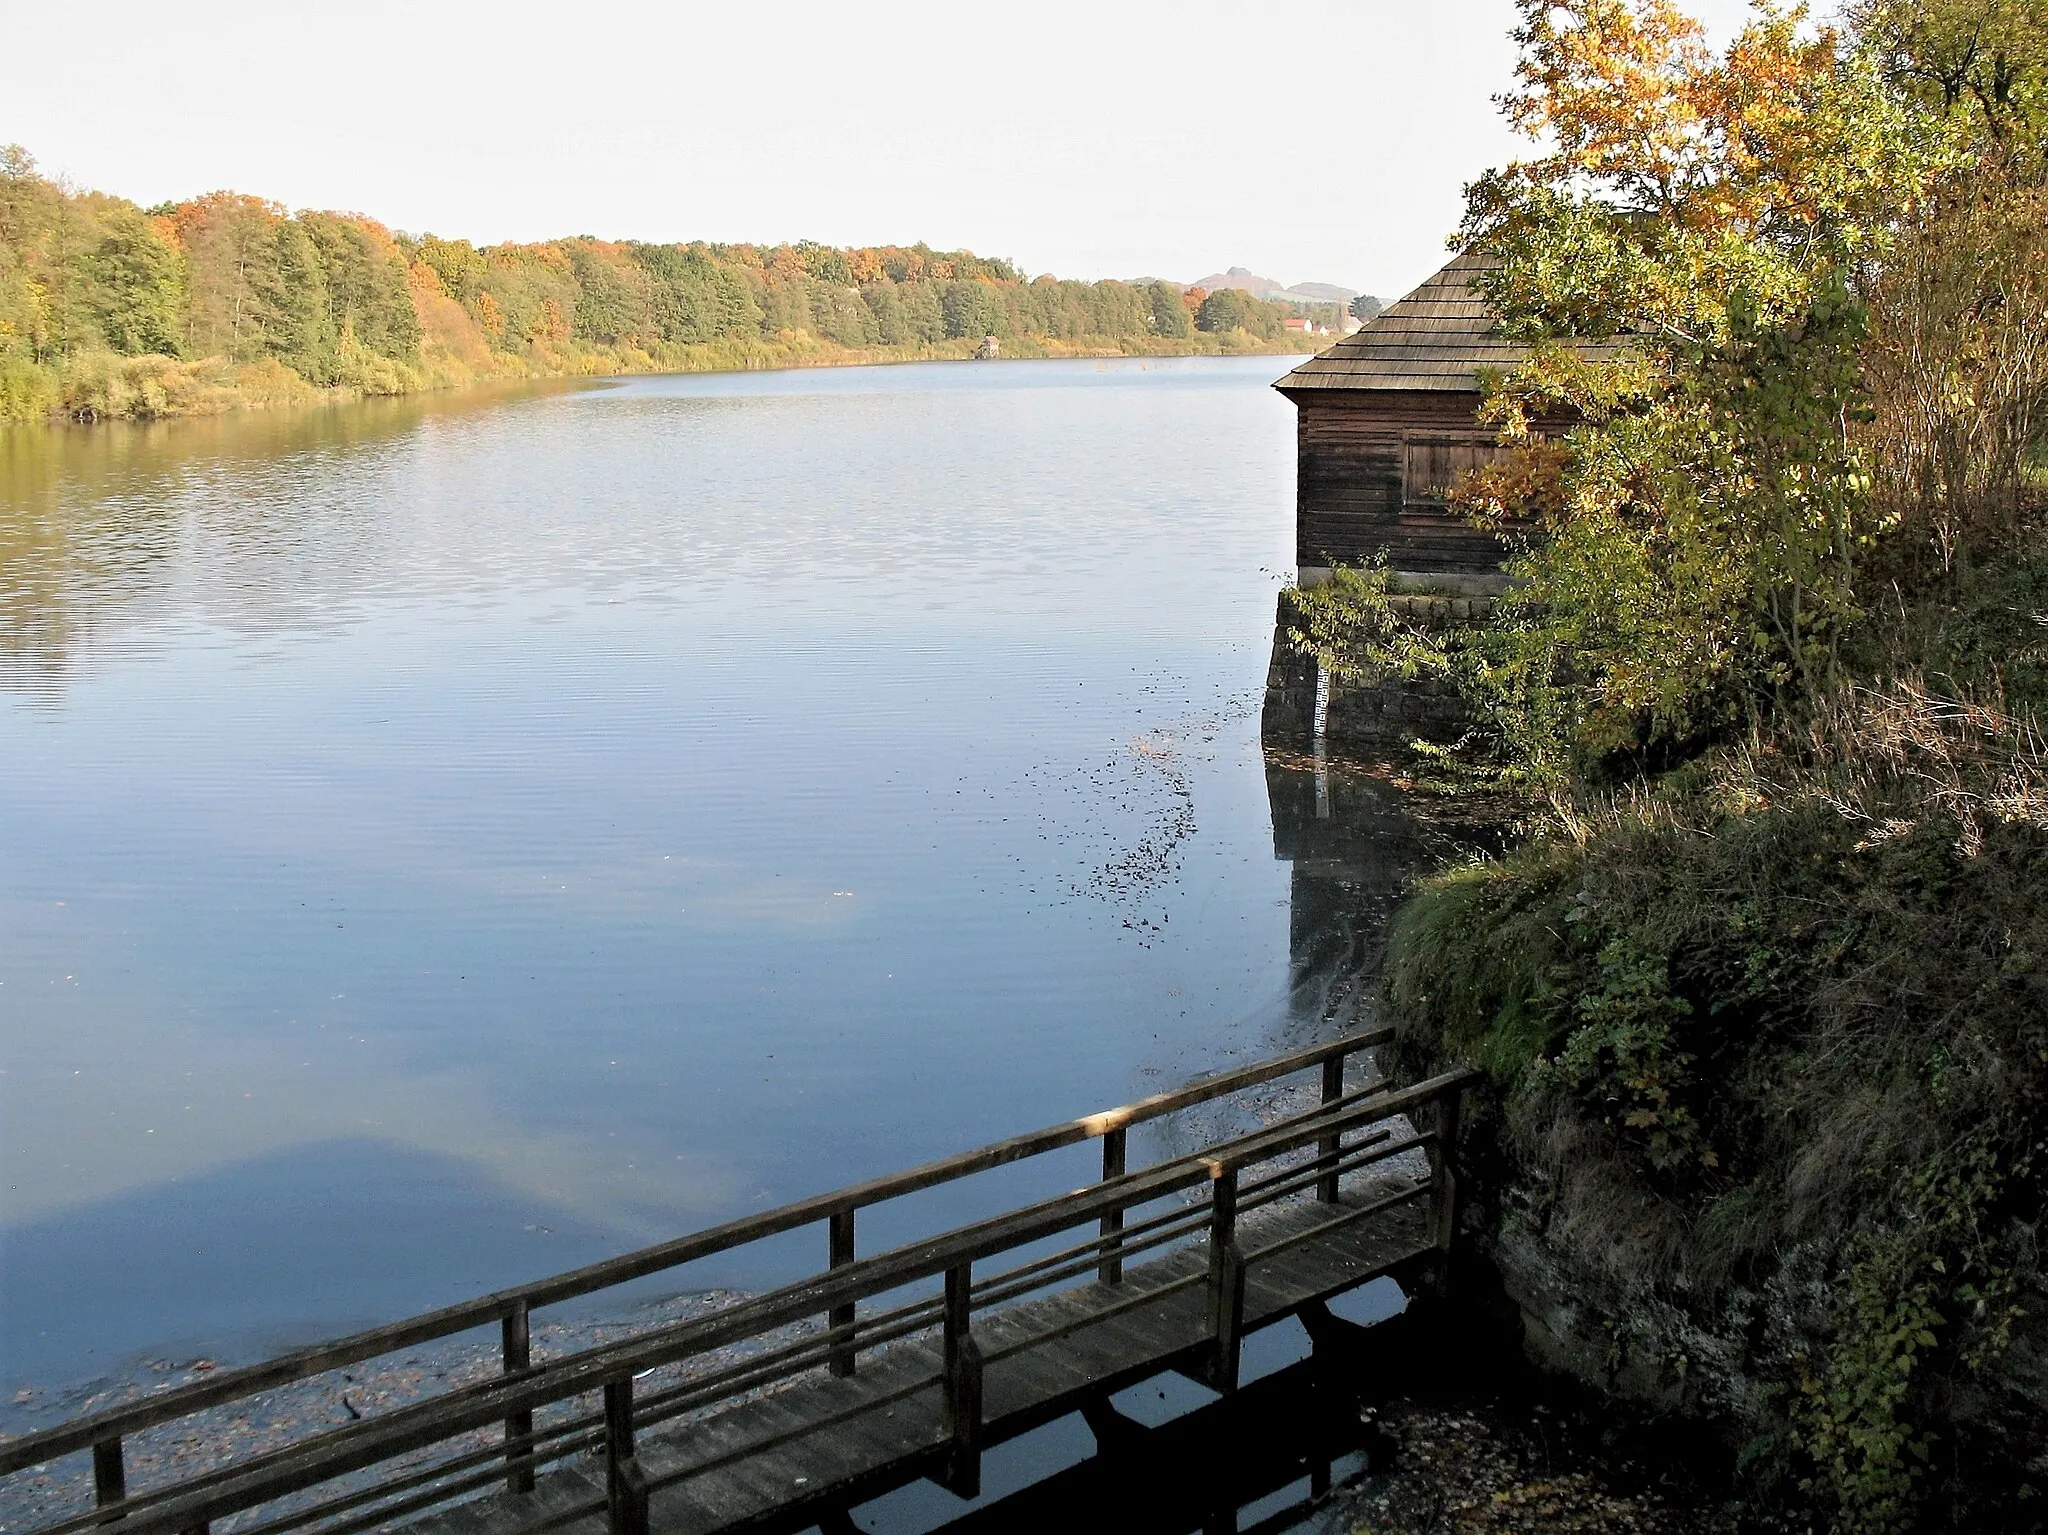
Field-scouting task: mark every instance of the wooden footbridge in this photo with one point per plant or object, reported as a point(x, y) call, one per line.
point(780, 1411)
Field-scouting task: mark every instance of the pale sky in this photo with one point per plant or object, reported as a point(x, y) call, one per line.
point(1310, 140)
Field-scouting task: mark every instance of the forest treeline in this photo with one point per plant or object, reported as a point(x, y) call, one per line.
point(109, 309)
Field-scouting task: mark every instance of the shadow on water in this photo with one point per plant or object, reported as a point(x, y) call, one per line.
point(1353, 840)
point(243, 1253)
point(1168, 1455)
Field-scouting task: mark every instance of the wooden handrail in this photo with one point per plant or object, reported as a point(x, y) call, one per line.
point(357, 1446)
point(230, 1385)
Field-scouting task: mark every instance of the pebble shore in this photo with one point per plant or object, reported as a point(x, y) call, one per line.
point(1491, 1469)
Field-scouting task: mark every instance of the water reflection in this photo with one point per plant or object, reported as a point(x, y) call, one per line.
point(1354, 843)
point(1168, 1455)
point(451, 841)
point(661, 800)
point(92, 517)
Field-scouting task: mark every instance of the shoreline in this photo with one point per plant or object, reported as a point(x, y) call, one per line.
point(155, 388)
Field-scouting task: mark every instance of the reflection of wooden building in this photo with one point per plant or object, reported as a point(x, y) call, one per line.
point(1356, 846)
point(1387, 424)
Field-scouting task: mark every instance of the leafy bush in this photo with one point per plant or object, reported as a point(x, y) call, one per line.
point(1774, 1038)
point(105, 386)
point(27, 392)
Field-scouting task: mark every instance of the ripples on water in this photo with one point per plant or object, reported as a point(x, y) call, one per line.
point(451, 840)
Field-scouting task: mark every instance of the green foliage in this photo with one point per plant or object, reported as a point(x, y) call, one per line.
point(1989, 640)
point(363, 276)
point(1703, 524)
point(1982, 61)
point(1786, 1010)
point(613, 297)
point(1229, 309)
point(1523, 696)
point(136, 288)
point(1704, 565)
point(922, 311)
point(973, 309)
point(1765, 1002)
point(1825, 301)
point(27, 391)
point(842, 314)
point(105, 386)
point(694, 299)
point(456, 263)
point(1350, 625)
point(1168, 314)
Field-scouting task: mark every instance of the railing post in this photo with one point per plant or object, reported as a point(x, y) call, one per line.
point(1443, 1182)
point(633, 1496)
point(515, 1330)
point(962, 1385)
point(1329, 1146)
point(109, 1475)
point(1226, 1278)
point(840, 1361)
point(625, 1484)
point(1112, 1269)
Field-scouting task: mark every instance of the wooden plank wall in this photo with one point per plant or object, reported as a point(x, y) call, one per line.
point(1374, 466)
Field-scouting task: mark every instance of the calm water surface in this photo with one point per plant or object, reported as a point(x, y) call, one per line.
point(449, 841)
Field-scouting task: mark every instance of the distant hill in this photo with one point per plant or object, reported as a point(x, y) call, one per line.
point(1270, 288)
point(1324, 292)
point(1241, 278)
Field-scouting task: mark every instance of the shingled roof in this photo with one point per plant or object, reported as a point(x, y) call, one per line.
point(1437, 338)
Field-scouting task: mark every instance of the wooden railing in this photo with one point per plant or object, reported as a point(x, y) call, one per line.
point(1307, 1153)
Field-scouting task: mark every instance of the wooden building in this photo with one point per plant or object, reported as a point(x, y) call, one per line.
point(1386, 424)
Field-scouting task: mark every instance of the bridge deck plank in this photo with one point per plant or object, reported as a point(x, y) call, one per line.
point(824, 1442)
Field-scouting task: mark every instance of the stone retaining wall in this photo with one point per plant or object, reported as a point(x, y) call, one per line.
point(1390, 710)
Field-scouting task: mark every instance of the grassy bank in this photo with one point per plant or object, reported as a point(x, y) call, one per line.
point(1769, 1053)
point(105, 386)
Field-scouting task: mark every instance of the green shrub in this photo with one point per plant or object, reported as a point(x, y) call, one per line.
point(1784, 1008)
point(27, 393)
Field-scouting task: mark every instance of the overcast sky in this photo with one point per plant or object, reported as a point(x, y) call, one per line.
point(1312, 141)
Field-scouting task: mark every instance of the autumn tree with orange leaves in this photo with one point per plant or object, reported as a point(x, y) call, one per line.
point(1720, 216)
point(1825, 255)
point(110, 310)
point(1724, 216)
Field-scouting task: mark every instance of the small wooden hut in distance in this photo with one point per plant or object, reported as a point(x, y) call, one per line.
point(1387, 424)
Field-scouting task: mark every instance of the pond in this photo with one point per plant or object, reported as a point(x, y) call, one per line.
point(454, 839)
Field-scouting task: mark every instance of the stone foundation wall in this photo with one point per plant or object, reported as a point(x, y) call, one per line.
point(1387, 711)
